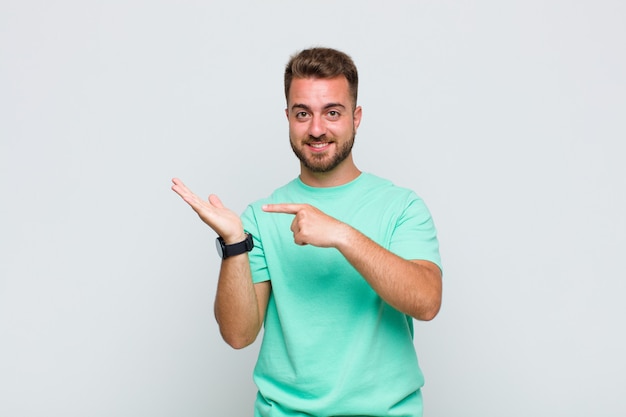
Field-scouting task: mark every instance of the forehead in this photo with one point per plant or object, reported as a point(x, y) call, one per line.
point(321, 91)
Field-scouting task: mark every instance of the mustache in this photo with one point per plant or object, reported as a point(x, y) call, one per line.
point(321, 138)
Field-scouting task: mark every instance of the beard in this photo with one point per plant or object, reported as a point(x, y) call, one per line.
point(322, 162)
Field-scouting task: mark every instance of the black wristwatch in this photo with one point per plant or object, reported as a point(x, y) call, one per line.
point(225, 251)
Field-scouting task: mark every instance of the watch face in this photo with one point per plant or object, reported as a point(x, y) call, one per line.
point(220, 249)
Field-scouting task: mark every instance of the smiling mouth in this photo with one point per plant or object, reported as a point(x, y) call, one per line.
point(319, 146)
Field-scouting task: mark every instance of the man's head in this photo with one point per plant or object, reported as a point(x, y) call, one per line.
point(321, 91)
point(322, 63)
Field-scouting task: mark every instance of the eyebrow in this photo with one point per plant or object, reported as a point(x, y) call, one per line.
point(307, 108)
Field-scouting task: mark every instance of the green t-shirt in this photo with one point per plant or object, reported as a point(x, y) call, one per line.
point(331, 345)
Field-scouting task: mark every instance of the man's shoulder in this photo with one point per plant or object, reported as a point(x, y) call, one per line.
point(384, 185)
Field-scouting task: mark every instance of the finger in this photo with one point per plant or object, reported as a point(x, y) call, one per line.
point(186, 194)
point(299, 241)
point(213, 199)
point(179, 187)
point(283, 208)
point(294, 227)
point(190, 197)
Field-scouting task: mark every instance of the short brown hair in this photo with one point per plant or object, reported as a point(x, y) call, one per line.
point(322, 63)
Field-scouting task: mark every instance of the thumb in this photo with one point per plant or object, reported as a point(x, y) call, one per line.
point(215, 200)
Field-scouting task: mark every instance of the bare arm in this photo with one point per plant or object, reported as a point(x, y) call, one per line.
point(239, 303)
point(413, 287)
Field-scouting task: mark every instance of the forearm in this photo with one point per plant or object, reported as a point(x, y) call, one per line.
point(239, 304)
point(412, 287)
point(236, 305)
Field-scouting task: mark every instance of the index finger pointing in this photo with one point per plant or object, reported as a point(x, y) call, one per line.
point(283, 208)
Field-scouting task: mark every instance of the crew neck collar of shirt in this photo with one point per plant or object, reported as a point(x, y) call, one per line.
point(339, 189)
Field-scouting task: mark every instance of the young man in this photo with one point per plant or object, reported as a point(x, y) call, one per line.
point(335, 265)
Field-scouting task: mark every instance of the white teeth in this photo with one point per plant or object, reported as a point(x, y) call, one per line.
point(318, 145)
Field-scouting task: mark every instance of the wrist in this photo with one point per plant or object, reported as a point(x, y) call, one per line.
point(226, 250)
point(344, 237)
point(231, 239)
point(233, 234)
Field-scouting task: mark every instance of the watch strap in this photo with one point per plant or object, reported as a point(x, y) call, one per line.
point(234, 249)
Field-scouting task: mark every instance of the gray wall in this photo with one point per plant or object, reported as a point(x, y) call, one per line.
point(507, 117)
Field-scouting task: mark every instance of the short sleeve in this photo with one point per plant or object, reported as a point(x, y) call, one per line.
point(258, 264)
point(415, 235)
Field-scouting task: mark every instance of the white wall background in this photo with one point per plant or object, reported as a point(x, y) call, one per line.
point(508, 117)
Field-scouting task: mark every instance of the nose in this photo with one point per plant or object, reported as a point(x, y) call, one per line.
point(317, 127)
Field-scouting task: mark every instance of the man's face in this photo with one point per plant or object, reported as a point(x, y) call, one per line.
point(322, 122)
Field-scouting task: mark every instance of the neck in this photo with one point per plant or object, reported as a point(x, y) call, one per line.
point(340, 175)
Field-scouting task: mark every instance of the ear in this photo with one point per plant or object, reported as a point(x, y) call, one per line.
point(358, 112)
point(287, 113)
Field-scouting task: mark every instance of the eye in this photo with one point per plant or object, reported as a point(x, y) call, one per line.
point(301, 115)
point(333, 114)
